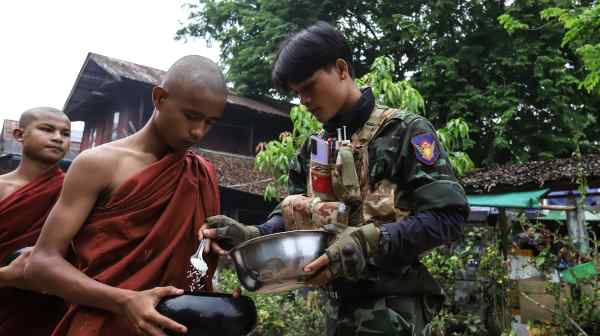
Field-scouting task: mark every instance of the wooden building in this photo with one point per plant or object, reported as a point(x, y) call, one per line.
point(113, 98)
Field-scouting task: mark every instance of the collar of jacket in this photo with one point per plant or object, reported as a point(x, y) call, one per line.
point(353, 119)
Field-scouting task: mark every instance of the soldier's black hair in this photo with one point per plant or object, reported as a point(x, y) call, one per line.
point(301, 54)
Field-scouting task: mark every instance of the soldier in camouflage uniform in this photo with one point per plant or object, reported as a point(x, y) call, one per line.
point(386, 190)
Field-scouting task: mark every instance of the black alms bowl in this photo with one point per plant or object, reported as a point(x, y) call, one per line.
point(207, 314)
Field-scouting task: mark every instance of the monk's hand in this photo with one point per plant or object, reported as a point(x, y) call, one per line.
point(347, 255)
point(228, 232)
point(13, 275)
point(139, 309)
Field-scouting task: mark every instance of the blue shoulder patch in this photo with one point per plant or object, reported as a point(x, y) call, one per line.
point(426, 148)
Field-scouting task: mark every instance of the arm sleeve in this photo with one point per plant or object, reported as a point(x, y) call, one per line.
point(428, 187)
point(272, 225)
point(419, 233)
point(398, 154)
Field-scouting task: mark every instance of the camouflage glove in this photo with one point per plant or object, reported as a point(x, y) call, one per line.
point(352, 247)
point(230, 231)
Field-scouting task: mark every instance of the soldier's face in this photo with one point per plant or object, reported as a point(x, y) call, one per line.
point(324, 93)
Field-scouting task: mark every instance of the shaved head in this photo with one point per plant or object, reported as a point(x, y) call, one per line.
point(193, 72)
point(189, 101)
point(37, 113)
point(44, 133)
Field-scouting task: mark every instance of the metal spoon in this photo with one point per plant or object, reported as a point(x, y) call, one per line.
point(197, 260)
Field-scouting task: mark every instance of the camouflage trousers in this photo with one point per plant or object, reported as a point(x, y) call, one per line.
point(392, 315)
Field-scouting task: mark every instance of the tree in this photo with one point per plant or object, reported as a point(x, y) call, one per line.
point(516, 90)
point(249, 32)
point(273, 157)
point(582, 35)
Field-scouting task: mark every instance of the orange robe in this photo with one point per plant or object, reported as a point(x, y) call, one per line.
point(22, 215)
point(143, 236)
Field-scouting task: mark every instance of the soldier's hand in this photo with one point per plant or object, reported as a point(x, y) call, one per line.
point(210, 235)
point(347, 256)
point(227, 231)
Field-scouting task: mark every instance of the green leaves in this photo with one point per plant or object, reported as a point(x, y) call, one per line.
point(389, 92)
point(473, 60)
point(582, 30)
point(274, 156)
point(480, 254)
point(511, 24)
point(282, 314)
point(456, 139)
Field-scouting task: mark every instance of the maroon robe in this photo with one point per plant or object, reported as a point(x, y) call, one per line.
point(22, 215)
point(143, 236)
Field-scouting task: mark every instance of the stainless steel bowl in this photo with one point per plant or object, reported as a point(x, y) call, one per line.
point(274, 263)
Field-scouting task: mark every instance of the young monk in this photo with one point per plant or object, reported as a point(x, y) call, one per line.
point(131, 209)
point(26, 196)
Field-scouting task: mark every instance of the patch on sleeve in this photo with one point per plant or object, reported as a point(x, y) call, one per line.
point(426, 148)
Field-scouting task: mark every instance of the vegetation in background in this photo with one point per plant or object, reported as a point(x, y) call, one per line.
point(582, 34)
point(516, 88)
point(289, 314)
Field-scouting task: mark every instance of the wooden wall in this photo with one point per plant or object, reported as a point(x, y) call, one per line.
point(238, 132)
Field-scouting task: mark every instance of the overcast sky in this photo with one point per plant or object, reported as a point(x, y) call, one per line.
point(44, 43)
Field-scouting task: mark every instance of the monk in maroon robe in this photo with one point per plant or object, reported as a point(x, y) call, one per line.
point(26, 196)
point(131, 210)
point(143, 236)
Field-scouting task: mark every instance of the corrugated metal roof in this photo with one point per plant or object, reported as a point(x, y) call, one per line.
point(237, 171)
point(124, 69)
point(558, 173)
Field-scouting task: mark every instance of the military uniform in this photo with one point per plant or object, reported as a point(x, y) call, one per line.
point(404, 184)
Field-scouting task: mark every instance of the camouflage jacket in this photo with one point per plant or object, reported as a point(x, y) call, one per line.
point(400, 152)
point(394, 155)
